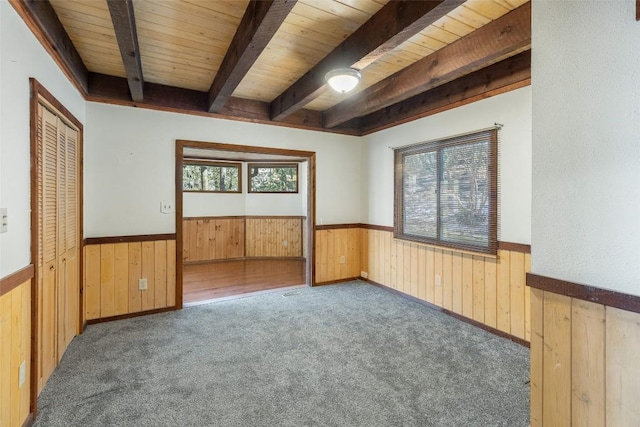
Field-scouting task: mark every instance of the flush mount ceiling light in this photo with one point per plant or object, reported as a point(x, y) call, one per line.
point(343, 79)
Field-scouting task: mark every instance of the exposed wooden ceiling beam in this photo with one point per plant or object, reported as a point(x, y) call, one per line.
point(260, 22)
point(115, 90)
point(42, 19)
point(500, 39)
point(392, 25)
point(124, 24)
point(506, 75)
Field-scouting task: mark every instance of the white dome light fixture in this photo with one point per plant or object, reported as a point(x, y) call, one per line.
point(343, 80)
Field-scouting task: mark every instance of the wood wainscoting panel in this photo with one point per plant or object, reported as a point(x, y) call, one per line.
point(213, 238)
point(584, 356)
point(273, 237)
point(338, 254)
point(216, 238)
point(556, 362)
point(15, 349)
point(622, 369)
point(489, 290)
point(112, 272)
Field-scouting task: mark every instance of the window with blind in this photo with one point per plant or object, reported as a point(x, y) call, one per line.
point(446, 192)
point(210, 177)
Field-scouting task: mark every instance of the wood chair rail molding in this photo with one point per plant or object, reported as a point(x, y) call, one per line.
point(584, 292)
point(13, 280)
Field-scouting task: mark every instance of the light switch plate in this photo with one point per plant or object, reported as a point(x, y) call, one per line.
point(143, 284)
point(4, 220)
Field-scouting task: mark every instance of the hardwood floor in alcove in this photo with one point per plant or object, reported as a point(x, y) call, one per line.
point(203, 282)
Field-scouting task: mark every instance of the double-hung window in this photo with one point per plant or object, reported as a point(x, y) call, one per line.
point(446, 192)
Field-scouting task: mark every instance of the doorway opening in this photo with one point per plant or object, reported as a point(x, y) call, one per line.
point(235, 234)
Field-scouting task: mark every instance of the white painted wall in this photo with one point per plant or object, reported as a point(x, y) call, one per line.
point(130, 161)
point(245, 203)
point(21, 57)
point(586, 143)
point(512, 109)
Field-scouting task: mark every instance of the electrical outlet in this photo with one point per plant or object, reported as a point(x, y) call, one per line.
point(285, 243)
point(4, 220)
point(143, 285)
point(342, 259)
point(166, 207)
point(438, 281)
point(364, 274)
point(22, 374)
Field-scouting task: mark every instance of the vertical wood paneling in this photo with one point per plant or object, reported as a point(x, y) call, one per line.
point(6, 331)
point(587, 364)
point(121, 274)
point(406, 268)
point(467, 286)
point(503, 292)
point(584, 363)
point(517, 279)
point(478, 289)
point(456, 279)
point(15, 348)
point(171, 273)
point(135, 273)
point(148, 272)
point(271, 237)
point(537, 356)
point(622, 367)
point(335, 245)
point(386, 242)
point(400, 265)
point(112, 273)
point(437, 270)
point(490, 293)
point(422, 273)
point(212, 238)
point(107, 285)
point(92, 282)
point(527, 299)
point(393, 271)
point(160, 273)
point(366, 249)
point(321, 257)
point(447, 277)
point(556, 387)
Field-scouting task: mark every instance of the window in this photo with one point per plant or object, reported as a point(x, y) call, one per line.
point(273, 178)
point(211, 177)
point(446, 192)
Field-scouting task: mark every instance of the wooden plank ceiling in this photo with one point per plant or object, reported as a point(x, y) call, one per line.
point(265, 61)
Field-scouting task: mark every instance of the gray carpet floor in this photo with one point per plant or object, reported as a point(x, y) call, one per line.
point(343, 355)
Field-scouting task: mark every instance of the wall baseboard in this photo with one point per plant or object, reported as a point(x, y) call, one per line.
point(472, 322)
point(130, 315)
point(29, 421)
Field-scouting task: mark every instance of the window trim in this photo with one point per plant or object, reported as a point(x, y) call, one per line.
point(273, 165)
point(489, 135)
point(199, 162)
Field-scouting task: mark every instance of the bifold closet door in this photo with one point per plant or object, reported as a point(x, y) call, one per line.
point(47, 292)
point(58, 236)
point(69, 295)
